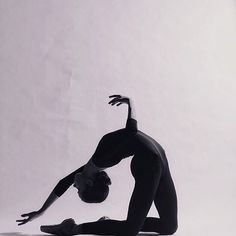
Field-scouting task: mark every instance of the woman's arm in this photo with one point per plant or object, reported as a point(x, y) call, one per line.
point(66, 182)
point(131, 111)
point(50, 200)
point(131, 123)
point(112, 147)
point(59, 189)
point(35, 214)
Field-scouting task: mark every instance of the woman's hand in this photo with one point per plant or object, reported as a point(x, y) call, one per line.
point(118, 100)
point(31, 216)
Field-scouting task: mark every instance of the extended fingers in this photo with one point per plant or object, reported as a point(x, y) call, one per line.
point(114, 100)
point(117, 100)
point(21, 222)
point(25, 215)
point(117, 103)
point(115, 96)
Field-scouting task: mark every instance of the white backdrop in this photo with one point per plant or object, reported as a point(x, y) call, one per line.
point(59, 62)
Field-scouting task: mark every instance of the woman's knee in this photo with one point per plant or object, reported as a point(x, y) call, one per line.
point(169, 227)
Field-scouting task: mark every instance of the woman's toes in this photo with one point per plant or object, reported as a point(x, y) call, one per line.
point(65, 228)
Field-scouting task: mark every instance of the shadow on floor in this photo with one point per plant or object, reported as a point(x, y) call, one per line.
point(22, 234)
point(143, 234)
point(19, 234)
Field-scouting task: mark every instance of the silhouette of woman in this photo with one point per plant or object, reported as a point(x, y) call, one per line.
point(153, 183)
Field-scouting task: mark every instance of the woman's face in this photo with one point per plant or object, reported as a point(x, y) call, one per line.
point(81, 181)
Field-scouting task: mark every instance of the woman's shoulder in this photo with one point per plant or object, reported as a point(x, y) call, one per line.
point(118, 131)
point(114, 134)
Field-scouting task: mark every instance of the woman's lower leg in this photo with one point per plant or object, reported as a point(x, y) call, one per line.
point(104, 227)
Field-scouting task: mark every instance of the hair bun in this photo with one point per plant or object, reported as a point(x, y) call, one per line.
point(104, 178)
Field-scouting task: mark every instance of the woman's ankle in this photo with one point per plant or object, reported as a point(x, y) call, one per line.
point(77, 229)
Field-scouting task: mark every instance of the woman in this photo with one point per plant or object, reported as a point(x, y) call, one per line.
point(153, 182)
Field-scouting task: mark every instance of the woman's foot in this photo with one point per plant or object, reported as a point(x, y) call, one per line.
point(63, 229)
point(104, 218)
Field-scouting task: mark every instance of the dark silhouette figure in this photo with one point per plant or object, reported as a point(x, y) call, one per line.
point(153, 183)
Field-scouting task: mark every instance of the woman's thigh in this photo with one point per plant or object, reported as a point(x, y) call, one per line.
point(166, 199)
point(147, 176)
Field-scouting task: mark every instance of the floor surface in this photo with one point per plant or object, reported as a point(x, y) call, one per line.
point(11, 229)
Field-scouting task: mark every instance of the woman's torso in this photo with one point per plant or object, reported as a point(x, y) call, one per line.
point(121, 144)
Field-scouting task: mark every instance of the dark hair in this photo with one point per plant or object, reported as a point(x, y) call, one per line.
point(99, 191)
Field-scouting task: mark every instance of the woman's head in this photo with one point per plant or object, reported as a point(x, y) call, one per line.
point(93, 189)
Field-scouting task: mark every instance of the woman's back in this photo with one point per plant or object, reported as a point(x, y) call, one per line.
point(122, 143)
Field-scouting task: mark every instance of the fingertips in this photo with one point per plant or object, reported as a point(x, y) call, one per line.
point(21, 223)
point(114, 95)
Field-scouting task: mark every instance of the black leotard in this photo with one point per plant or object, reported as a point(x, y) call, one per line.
point(153, 183)
point(115, 146)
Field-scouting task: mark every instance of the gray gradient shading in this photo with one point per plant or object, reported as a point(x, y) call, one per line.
point(60, 60)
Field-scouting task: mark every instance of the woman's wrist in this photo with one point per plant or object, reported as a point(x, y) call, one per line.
point(131, 111)
point(40, 211)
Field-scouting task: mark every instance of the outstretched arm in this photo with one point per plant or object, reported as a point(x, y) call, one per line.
point(35, 214)
point(59, 189)
point(131, 120)
point(131, 111)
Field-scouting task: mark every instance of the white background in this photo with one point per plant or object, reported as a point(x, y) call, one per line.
point(59, 62)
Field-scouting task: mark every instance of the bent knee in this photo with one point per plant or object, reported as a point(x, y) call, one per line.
point(169, 228)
